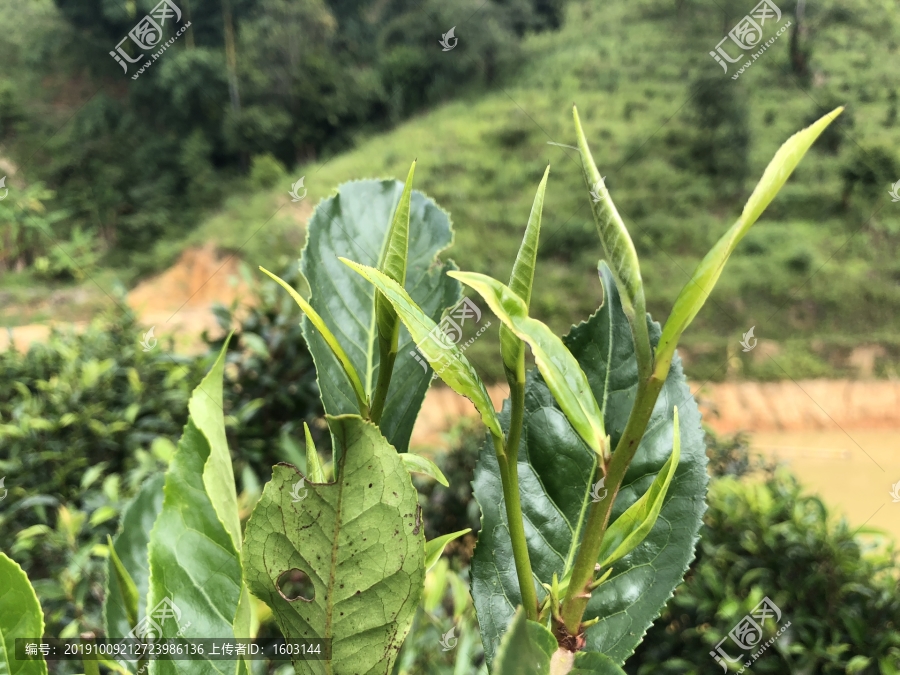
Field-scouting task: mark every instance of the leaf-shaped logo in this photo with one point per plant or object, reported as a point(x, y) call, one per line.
point(3, 490)
point(598, 492)
point(296, 490)
point(5, 189)
point(446, 38)
point(449, 640)
point(748, 342)
point(895, 490)
point(295, 188)
point(894, 192)
point(149, 342)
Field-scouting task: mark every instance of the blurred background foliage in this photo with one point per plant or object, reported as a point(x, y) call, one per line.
point(141, 162)
point(201, 148)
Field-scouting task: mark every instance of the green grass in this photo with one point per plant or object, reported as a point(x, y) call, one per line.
point(810, 272)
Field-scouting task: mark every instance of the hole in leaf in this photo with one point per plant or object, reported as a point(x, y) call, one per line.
point(295, 585)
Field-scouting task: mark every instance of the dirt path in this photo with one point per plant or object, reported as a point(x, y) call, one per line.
point(727, 407)
point(175, 303)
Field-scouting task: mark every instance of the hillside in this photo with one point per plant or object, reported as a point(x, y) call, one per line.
point(816, 277)
point(681, 145)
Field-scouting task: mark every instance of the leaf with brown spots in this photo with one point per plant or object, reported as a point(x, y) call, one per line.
point(360, 547)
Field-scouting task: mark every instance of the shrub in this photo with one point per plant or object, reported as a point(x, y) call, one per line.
point(843, 601)
point(266, 171)
point(86, 417)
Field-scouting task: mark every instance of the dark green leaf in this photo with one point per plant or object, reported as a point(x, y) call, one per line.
point(595, 663)
point(354, 224)
point(556, 475)
point(360, 543)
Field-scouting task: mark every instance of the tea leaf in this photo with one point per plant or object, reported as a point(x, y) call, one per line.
point(314, 469)
point(355, 224)
point(558, 367)
point(702, 282)
point(435, 547)
point(397, 243)
point(419, 464)
point(360, 542)
point(557, 472)
point(126, 584)
point(330, 340)
point(199, 516)
point(20, 617)
point(393, 264)
point(444, 356)
point(522, 277)
point(595, 663)
point(131, 544)
point(633, 526)
point(619, 250)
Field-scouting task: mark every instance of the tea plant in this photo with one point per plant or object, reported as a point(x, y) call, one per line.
point(591, 483)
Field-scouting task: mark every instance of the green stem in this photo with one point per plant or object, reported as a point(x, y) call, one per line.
point(509, 478)
point(578, 592)
point(641, 336)
point(516, 381)
point(385, 370)
point(91, 667)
